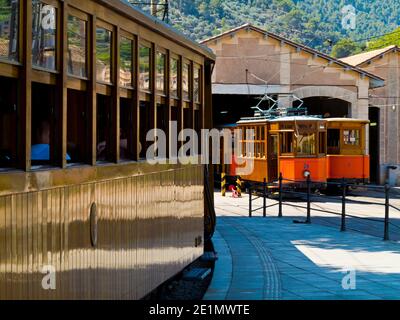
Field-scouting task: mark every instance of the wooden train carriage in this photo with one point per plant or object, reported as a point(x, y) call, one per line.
point(294, 146)
point(347, 155)
point(81, 83)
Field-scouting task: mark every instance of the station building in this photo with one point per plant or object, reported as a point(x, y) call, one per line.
point(384, 104)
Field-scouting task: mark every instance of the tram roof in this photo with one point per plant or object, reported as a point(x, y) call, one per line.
point(347, 120)
point(125, 8)
point(280, 119)
point(297, 118)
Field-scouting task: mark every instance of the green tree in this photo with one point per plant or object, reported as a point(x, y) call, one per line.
point(345, 47)
point(393, 38)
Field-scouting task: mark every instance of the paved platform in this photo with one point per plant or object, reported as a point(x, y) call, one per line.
point(273, 258)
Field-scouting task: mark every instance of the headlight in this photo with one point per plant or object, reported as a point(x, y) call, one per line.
point(306, 173)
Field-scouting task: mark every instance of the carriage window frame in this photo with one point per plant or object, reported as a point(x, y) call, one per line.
point(127, 36)
point(174, 92)
point(161, 52)
point(109, 28)
point(197, 95)
point(287, 149)
point(186, 95)
point(81, 17)
point(259, 142)
point(244, 142)
point(313, 144)
point(56, 44)
point(15, 56)
point(358, 138)
point(322, 143)
point(148, 46)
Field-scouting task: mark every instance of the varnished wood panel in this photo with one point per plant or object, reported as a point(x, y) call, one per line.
point(147, 225)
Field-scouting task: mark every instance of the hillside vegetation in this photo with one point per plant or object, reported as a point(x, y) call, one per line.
point(316, 23)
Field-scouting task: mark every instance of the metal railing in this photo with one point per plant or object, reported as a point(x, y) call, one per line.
point(259, 190)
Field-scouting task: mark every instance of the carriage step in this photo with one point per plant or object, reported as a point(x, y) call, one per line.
point(209, 256)
point(196, 274)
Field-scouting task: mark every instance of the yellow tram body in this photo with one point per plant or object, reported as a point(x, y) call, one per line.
point(298, 146)
point(288, 145)
point(347, 156)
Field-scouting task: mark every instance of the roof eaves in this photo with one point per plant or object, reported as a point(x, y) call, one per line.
point(392, 48)
point(297, 45)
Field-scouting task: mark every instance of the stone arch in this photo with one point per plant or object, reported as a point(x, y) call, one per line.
point(327, 91)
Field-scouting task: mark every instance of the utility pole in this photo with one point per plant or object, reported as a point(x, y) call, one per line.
point(154, 4)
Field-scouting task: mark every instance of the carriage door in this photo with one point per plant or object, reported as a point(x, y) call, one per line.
point(273, 157)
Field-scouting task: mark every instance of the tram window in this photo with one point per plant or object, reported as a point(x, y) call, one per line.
point(144, 68)
point(287, 142)
point(261, 142)
point(103, 127)
point(185, 81)
point(146, 123)
point(44, 34)
point(8, 122)
point(77, 126)
point(9, 27)
point(160, 69)
point(306, 144)
point(103, 55)
point(333, 141)
point(174, 78)
point(257, 142)
point(43, 123)
point(351, 137)
point(196, 85)
point(126, 75)
point(126, 129)
point(76, 47)
point(322, 143)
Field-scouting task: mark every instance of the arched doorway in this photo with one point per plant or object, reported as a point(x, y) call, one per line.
point(374, 129)
point(327, 107)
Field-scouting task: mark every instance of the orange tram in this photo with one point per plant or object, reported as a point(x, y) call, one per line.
point(327, 150)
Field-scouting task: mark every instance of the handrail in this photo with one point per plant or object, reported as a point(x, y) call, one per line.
point(344, 199)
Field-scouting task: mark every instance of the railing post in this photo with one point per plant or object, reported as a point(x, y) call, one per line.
point(250, 204)
point(265, 198)
point(386, 232)
point(223, 184)
point(344, 187)
point(308, 220)
point(280, 195)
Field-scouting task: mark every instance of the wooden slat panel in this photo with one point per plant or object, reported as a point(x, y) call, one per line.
point(3, 249)
point(147, 226)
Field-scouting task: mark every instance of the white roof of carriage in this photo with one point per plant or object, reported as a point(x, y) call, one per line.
point(281, 119)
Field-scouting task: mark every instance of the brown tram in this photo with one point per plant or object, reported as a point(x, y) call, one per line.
point(81, 82)
point(327, 150)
